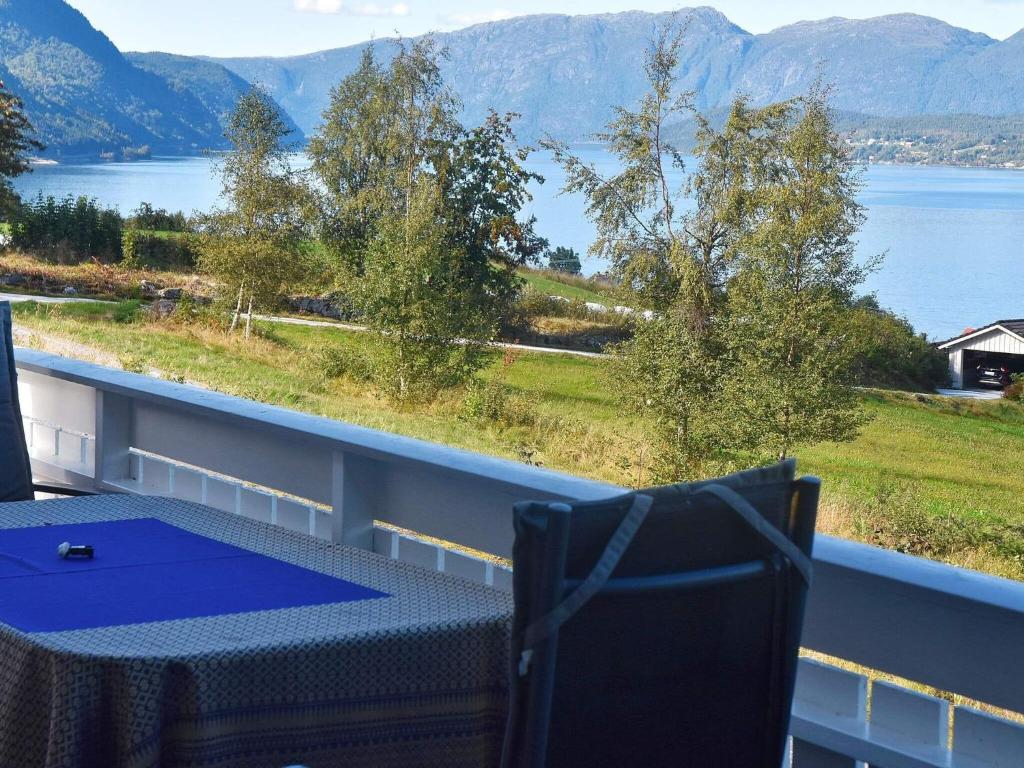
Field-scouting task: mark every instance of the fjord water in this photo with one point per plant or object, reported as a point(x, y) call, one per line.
point(953, 237)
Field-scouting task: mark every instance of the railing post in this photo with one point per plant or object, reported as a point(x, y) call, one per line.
point(351, 494)
point(806, 755)
point(115, 424)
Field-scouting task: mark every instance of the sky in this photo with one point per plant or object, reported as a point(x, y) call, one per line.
point(288, 27)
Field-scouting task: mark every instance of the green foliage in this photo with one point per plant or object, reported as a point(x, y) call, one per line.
point(957, 139)
point(383, 129)
point(485, 188)
point(888, 353)
point(430, 320)
point(493, 401)
point(896, 517)
point(421, 216)
point(671, 377)
point(255, 245)
point(566, 260)
point(69, 230)
point(531, 304)
point(347, 362)
point(133, 363)
point(129, 240)
point(788, 318)
point(149, 250)
point(147, 217)
point(636, 212)
point(16, 142)
point(671, 371)
point(751, 353)
point(496, 402)
point(1016, 389)
point(127, 311)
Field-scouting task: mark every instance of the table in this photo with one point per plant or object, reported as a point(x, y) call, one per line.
point(201, 638)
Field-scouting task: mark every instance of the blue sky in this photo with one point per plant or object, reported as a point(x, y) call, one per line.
point(284, 27)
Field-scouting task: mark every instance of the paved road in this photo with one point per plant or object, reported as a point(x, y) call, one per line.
point(16, 297)
point(973, 394)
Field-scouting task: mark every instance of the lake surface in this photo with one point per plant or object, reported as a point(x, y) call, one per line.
point(953, 237)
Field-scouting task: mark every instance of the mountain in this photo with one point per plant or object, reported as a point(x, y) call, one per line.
point(563, 73)
point(216, 87)
point(560, 73)
point(86, 98)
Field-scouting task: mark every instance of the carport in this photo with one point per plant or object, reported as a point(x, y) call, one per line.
point(1000, 343)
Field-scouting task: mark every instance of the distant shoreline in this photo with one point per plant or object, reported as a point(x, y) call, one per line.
point(95, 160)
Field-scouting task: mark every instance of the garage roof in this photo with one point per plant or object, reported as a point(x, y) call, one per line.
point(1013, 327)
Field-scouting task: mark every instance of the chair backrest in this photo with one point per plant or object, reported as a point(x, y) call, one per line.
point(660, 628)
point(15, 469)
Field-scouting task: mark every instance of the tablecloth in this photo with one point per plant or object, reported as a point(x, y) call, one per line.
point(413, 674)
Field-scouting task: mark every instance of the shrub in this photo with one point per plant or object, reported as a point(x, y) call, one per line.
point(69, 230)
point(496, 402)
point(1016, 389)
point(145, 250)
point(897, 518)
point(127, 311)
point(890, 354)
point(532, 303)
point(133, 363)
point(343, 362)
point(157, 219)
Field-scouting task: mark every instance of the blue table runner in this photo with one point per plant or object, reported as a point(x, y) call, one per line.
point(146, 570)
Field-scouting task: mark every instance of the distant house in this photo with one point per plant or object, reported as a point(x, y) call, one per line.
point(1001, 342)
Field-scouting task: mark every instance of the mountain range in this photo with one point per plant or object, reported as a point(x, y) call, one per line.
point(561, 73)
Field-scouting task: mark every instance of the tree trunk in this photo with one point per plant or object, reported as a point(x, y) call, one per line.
point(238, 310)
point(248, 319)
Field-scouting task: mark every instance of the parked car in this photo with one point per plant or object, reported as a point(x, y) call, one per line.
point(993, 375)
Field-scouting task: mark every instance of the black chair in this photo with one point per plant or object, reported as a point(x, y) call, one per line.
point(15, 468)
point(661, 628)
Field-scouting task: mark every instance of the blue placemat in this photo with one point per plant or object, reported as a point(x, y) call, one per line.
point(146, 570)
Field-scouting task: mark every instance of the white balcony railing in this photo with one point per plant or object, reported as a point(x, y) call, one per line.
point(952, 629)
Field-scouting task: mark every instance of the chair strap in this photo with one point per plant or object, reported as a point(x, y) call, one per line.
point(765, 529)
point(548, 624)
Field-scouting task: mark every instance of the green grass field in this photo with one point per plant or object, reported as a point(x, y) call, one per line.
point(543, 281)
point(956, 459)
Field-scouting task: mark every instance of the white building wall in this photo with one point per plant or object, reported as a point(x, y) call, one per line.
point(956, 369)
point(995, 341)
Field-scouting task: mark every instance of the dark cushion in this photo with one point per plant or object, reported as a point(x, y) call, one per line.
point(666, 678)
point(15, 470)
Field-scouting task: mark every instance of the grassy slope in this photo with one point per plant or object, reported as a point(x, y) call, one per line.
point(965, 457)
point(545, 282)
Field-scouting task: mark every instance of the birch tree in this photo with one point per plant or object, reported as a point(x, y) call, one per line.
point(423, 215)
point(254, 244)
point(790, 324)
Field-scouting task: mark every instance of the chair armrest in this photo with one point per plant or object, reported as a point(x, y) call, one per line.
point(61, 490)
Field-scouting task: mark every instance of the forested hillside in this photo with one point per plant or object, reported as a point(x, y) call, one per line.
point(85, 98)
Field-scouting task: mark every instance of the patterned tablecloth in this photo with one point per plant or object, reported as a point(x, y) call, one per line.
point(414, 679)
